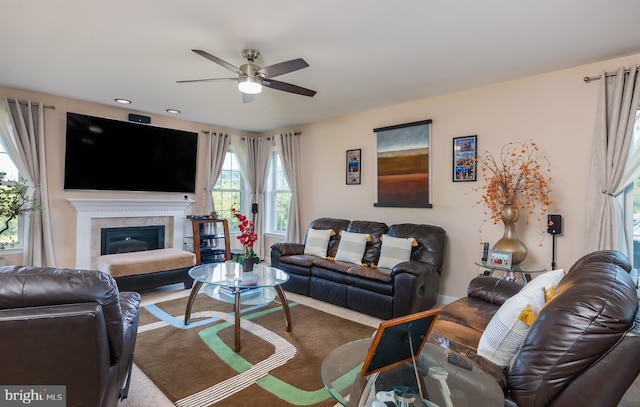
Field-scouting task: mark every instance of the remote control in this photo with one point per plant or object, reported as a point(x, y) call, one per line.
point(485, 252)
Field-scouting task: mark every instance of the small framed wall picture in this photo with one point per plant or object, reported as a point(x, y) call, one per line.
point(500, 259)
point(464, 158)
point(354, 166)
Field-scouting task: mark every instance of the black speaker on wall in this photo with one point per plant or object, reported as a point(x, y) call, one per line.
point(554, 224)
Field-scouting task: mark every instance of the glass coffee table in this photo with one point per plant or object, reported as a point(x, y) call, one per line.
point(257, 287)
point(448, 379)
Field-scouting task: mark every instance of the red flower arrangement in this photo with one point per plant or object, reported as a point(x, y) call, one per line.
point(248, 236)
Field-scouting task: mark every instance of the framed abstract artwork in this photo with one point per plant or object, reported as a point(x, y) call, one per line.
point(465, 151)
point(353, 166)
point(404, 165)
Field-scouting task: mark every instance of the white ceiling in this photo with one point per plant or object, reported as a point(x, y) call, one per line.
point(363, 54)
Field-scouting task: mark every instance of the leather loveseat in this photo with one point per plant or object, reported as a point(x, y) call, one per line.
point(408, 287)
point(67, 327)
point(583, 349)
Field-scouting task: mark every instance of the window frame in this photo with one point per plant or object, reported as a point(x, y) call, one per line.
point(8, 166)
point(626, 200)
point(225, 212)
point(272, 191)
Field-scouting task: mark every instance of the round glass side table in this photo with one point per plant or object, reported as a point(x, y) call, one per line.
point(520, 273)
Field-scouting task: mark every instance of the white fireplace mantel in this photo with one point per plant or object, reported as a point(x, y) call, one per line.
point(88, 209)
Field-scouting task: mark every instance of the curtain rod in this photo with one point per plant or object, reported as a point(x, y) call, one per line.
point(588, 79)
point(26, 103)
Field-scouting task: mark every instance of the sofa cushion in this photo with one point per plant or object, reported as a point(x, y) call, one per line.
point(337, 225)
point(375, 230)
point(371, 273)
point(395, 250)
point(352, 246)
point(507, 329)
point(317, 242)
point(431, 242)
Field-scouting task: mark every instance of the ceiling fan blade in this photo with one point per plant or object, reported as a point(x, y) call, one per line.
point(287, 87)
point(283, 68)
point(247, 98)
point(218, 61)
point(208, 80)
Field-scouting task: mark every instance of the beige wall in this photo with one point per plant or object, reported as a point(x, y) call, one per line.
point(556, 110)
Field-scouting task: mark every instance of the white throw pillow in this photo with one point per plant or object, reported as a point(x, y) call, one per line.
point(505, 333)
point(351, 247)
point(394, 250)
point(317, 242)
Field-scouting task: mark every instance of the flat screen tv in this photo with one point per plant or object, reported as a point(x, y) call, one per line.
point(105, 154)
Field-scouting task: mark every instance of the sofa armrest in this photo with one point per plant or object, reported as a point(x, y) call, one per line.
point(412, 267)
point(415, 287)
point(492, 289)
point(130, 306)
point(288, 248)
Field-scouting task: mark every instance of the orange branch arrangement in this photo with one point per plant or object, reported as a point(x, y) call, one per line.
point(517, 178)
point(248, 236)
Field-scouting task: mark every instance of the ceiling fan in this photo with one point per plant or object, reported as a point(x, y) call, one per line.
point(251, 78)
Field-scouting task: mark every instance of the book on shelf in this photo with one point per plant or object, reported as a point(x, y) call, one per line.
point(244, 290)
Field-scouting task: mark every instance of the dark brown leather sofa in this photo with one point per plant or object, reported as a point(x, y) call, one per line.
point(67, 327)
point(408, 288)
point(582, 350)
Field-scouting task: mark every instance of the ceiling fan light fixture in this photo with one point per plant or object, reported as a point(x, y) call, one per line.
point(249, 85)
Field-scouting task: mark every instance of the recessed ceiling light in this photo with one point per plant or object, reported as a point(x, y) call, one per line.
point(123, 101)
point(173, 111)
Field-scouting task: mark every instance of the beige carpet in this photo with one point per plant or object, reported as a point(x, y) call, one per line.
point(143, 393)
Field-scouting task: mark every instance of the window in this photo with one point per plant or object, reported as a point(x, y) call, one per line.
point(278, 196)
point(632, 205)
point(228, 189)
point(15, 232)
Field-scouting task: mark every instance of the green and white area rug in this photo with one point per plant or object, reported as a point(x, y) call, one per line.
point(195, 365)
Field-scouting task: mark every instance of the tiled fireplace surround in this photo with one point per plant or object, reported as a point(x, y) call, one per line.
point(94, 214)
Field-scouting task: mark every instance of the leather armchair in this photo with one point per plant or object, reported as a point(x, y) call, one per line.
point(582, 349)
point(67, 327)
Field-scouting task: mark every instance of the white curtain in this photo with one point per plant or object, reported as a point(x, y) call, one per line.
point(217, 146)
point(288, 146)
point(613, 163)
point(253, 158)
point(23, 135)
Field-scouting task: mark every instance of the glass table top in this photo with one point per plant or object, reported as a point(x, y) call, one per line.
point(521, 268)
point(216, 274)
point(467, 383)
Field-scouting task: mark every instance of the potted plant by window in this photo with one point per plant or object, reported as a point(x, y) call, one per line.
point(248, 238)
point(14, 202)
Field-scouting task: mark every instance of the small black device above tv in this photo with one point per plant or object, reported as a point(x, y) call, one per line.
point(106, 154)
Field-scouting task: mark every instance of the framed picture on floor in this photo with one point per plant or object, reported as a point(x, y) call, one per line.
point(353, 166)
point(464, 158)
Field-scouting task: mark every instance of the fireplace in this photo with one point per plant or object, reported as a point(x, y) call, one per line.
point(131, 239)
point(94, 214)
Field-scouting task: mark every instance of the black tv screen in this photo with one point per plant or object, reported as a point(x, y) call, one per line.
point(105, 154)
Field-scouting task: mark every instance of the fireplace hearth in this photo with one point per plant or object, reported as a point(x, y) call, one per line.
point(131, 239)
